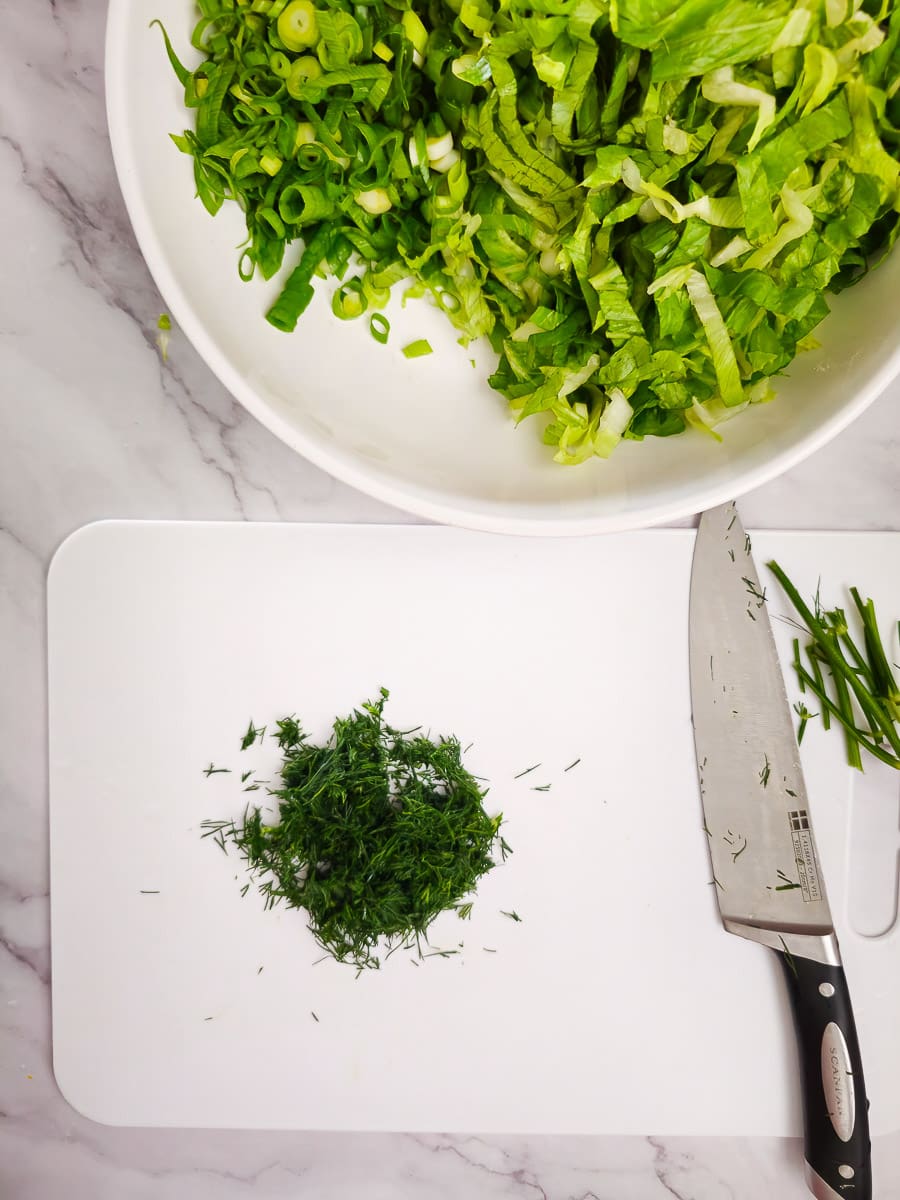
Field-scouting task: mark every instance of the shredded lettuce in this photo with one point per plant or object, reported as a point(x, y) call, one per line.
point(641, 203)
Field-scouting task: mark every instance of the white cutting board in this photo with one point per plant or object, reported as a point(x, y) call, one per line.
point(618, 1005)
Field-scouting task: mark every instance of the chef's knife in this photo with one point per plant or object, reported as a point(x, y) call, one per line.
point(767, 876)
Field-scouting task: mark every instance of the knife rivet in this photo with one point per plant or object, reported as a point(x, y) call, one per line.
point(846, 1171)
point(826, 990)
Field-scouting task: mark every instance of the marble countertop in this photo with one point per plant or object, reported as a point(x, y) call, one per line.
point(93, 424)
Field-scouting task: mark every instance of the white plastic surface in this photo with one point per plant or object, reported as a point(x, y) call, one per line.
point(617, 1005)
point(430, 435)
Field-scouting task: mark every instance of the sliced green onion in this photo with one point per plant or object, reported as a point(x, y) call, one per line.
point(298, 25)
point(379, 327)
point(412, 26)
point(280, 64)
point(270, 163)
point(417, 349)
point(349, 301)
point(302, 71)
point(374, 201)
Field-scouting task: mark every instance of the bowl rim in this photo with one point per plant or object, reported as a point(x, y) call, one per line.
point(430, 504)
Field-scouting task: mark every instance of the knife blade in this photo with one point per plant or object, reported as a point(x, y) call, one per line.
point(766, 870)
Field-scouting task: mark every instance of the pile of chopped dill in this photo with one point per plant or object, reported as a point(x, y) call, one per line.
point(378, 832)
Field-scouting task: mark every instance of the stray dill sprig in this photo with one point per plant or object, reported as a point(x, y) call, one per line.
point(527, 771)
point(854, 684)
point(252, 736)
point(212, 769)
point(754, 591)
point(377, 832)
point(765, 772)
point(789, 958)
point(572, 764)
point(513, 916)
point(786, 884)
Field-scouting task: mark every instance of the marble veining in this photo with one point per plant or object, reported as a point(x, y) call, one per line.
point(94, 424)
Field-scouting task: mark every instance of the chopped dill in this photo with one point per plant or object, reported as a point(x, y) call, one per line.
point(252, 736)
point(786, 884)
point(572, 764)
point(765, 772)
point(513, 916)
point(527, 771)
point(377, 832)
point(214, 770)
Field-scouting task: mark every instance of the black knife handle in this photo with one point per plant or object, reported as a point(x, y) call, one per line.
point(835, 1108)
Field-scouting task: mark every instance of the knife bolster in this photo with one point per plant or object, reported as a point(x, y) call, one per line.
point(817, 947)
point(819, 1188)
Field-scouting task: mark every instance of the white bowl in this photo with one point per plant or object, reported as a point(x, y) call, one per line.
point(429, 435)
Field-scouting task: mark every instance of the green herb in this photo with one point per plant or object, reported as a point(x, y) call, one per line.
point(786, 884)
point(314, 1017)
point(252, 736)
point(527, 771)
point(513, 916)
point(765, 772)
point(378, 832)
point(789, 959)
point(213, 770)
point(417, 349)
point(860, 691)
point(572, 764)
point(642, 205)
point(149, 893)
point(164, 324)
